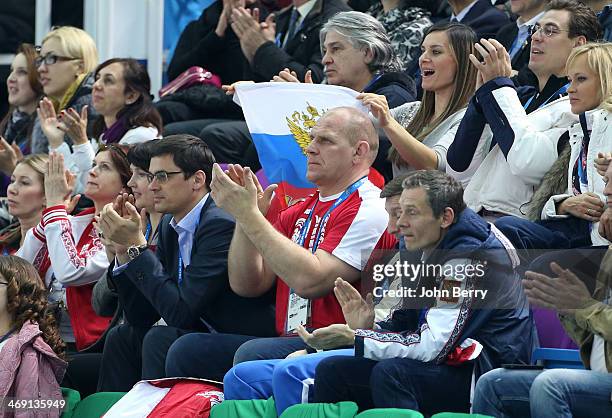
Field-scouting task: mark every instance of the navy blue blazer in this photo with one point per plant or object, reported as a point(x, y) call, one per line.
point(485, 19)
point(204, 296)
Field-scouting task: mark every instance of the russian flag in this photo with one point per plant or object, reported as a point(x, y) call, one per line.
point(279, 117)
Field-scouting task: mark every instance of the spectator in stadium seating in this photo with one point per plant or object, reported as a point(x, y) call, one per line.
point(289, 39)
point(289, 256)
point(185, 281)
point(521, 128)
point(421, 132)
point(70, 258)
point(65, 64)
point(357, 54)
point(405, 22)
point(284, 378)
point(105, 299)
point(26, 201)
point(24, 92)
point(571, 219)
point(588, 320)
point(31, 350)
point(447, 339)
point(210, 43)
point(125, 115)
point(480, 15)
point(66, 250)
point(516, 37)
point(604, 10)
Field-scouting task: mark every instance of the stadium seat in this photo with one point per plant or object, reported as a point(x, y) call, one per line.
point(389, 413)
point(72, 398)
point(321, 410)
point(97, 404)
point(557, 358)
point(256, 408)
point(459, 415)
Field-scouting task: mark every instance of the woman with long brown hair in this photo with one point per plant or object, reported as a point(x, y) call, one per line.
point(31, 350)
point(421, 132)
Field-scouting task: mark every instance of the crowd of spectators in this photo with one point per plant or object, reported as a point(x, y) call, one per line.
point(138, 242)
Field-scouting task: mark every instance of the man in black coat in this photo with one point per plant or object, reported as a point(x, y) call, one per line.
point(480, 15)
point(290, 41)
point(516, 39)
point(185, 282)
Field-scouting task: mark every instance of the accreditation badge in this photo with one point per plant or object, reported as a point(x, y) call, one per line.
point(298, 310)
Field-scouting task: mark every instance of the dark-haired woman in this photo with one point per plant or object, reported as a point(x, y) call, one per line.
point(24, 92)
point(121, 97)
point(31, 349)
point(67, 250)
point(421, 132)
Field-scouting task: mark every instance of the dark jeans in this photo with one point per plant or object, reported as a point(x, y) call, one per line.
point(210, 356)
point(133, 353)
point(551, 234)
point(83, 372)
point(394, 383)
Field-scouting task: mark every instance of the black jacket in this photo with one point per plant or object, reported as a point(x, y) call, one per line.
point(204, 293)
point(302, 52)
point(199, 45)
point(485, 19)
point(397, 87)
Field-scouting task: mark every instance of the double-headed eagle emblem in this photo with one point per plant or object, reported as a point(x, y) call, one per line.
point(300, 124)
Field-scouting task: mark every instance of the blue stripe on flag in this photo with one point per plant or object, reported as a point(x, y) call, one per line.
point(282, 159)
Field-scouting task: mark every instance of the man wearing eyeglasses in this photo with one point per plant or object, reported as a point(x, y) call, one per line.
point(186, 281)
point(525, 123)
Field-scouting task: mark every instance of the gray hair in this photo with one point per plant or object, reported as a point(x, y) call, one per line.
point(364, 32)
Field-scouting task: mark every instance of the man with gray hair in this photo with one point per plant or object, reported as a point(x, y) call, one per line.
point(357, 54)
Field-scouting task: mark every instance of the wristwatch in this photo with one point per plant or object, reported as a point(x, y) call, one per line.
point(134, 251)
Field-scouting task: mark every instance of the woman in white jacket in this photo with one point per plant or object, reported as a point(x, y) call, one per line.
point(571, 219)
point(121, 97)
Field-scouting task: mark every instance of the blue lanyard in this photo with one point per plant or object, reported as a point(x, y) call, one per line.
point(180, 257)
point(338, 202)
point(559, 92)
point(148, 231)
point(5, 251)
point(180, 268)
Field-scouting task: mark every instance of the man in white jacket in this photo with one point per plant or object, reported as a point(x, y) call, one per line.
point(524, 131)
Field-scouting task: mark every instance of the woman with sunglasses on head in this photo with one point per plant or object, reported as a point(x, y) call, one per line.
point(126, 115)
point(65, 64)
point(31, 349)
point(67, 251)
point(24, 92)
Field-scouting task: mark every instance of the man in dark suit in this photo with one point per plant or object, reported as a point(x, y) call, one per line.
point(292, 41)
point(480, 15)
point(185, 282)
point(516, 39)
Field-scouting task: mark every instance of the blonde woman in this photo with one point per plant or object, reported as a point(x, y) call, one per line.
point(421, 132)
point(571, 219)
point(66, 61)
